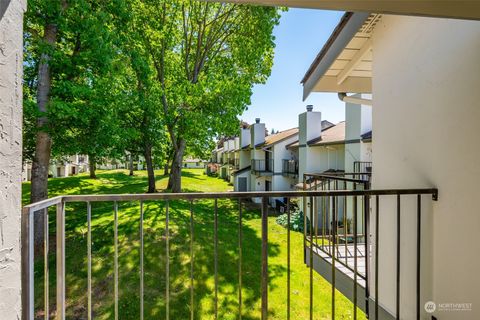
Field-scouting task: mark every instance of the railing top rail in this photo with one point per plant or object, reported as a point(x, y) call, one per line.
point(223, 195)
point(337, 174)
point(44, 204)
point(336, 177)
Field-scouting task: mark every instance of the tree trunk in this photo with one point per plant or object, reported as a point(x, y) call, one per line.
point(130, 160)
point(43, 144)
point(165, 169)
point(93, 166)
point(175, 179)
point(150, 171)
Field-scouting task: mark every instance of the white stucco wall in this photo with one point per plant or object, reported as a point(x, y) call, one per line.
point(244, 159)
point(194, 165)
point(358, 119)
point(10, 158)
point(426, 121)
point(317, 159)
point(280, 152)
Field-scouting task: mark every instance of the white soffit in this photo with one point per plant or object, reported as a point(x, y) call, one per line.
point(351, 71)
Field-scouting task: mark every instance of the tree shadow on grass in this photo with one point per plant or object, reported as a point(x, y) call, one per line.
point(155, 261)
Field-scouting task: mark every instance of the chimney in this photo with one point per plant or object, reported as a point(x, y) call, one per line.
point(245, 138)
point(358, 119)
point(257, 133)
point(309, 125)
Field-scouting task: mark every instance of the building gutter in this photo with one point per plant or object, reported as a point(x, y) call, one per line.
point(343, 97)
point(341, 36)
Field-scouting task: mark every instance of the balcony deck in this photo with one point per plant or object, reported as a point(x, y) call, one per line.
point(348, 260)
point(344, 275)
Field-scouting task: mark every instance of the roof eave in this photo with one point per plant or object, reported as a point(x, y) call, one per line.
point(341, 36)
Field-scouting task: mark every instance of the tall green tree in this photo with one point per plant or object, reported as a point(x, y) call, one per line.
point(67, 45)
point(141, 117)
point(207, 57)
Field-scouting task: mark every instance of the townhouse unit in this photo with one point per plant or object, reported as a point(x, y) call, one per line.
point(194, 163)
point(326, 147)
point(229, 158)
point(62, 167)
point(422, 74)
point(262, 159)
point(214, 164)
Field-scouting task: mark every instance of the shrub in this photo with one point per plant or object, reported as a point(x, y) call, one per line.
point(296, 221)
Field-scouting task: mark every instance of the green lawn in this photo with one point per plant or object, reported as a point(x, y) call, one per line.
point(129, 302)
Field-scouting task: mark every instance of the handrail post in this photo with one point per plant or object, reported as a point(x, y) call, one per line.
point(61, 261)
point(27, 265)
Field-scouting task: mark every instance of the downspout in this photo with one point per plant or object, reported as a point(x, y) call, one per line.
point(343, 97)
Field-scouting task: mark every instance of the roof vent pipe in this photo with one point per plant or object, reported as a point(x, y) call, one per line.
point(309, 108)
point(257, 120)
point(343, 97)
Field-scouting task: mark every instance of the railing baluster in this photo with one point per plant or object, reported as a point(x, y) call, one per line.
point(61, 261)
point(192, 306)
point(141, 261)
point(324, 216)
point(264, 279)
point(316, 218)
point(419, 238)
point(167, 266)
point(89, 260)
point(115, 239)
point(46, 281)
point(366, 215)
point(336, 226)
point(240, 239)
point(345, 224)
point(27, 264)
point(398, 260)
point(329, 214)
point(334, 235)
point(215, 257)
point(377, 237)
point(311, 258)
point(288, 258)
point(355, 255)
point(304, 205)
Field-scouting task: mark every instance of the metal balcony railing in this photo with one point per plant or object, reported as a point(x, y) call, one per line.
point(290, 167)
point(260, 167)
point(234, 162)
point(327, 200)
point(363, 169)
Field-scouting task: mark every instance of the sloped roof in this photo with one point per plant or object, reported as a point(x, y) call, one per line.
point(330, 133)
point(242, 170)
point(275, 138)
point(193, 160)
point(367, 135)
point(335, 134)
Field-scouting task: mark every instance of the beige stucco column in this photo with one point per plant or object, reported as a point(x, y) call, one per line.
point(11, 24)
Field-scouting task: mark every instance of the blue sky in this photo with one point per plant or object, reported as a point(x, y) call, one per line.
point(299, 37)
